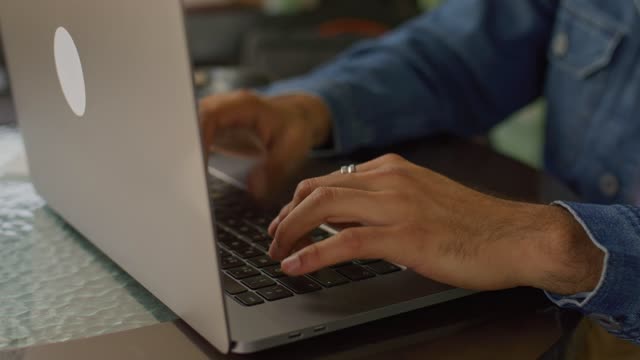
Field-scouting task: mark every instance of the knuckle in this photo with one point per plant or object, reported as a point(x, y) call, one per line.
point(249, 97)
point(206, 106)
point(303, 190)
point(285, 211)
point(393, 158)
point(382, 172)
point(395, 170)
point(213, 110)
point(323, 194)
point(305, 186)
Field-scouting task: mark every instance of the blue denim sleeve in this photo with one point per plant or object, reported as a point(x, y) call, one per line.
point(461, 69)
point(615, 302)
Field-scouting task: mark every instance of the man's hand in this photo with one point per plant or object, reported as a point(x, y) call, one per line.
point(412, 216)
point(287, 126)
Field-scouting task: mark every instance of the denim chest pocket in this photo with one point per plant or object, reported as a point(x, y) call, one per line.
point(584, 43)
point(584, 39)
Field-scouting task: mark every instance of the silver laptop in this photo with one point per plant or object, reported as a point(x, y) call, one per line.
point(105, 101)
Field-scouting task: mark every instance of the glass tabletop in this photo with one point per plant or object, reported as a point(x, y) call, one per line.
point(54, 285)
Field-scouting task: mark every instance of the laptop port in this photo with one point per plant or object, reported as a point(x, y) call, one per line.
point(319, 329)
point(295, 335)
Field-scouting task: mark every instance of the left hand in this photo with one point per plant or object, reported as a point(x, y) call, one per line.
point(443, 230)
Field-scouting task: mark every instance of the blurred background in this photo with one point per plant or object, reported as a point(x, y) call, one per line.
point(249, 43)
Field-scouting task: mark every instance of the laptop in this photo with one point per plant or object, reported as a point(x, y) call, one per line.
point(105, 100)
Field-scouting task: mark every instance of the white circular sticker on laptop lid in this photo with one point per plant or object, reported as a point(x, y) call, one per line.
point(70, 74)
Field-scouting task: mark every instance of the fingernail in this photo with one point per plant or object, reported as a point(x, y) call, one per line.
point(291, 264)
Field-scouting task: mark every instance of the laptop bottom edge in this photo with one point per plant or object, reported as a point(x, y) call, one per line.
point(251, 346)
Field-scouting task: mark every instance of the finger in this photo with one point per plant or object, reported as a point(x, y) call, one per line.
point(364, 178)
point(273, 227)
point(325, 203)
point(207, 118)
point(234, 110)
point(349, 244)
point(334, 222)
point(271, 230)
point(361, 181)
point(238, 102)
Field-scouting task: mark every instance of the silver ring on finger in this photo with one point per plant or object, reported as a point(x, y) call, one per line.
point(349, 169)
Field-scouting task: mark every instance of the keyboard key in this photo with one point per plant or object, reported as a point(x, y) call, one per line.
point(260, 221)
point(262, 261)
point(258, 282)
point(356, 272)
point(264, 245)
point(329, 278)
point(225, 206)
point(275, 293)
point(249, 252)
point(259, 236)
point(222, 234)
point(237, 245)
point(229, 262)
point(232, 222)
point(253, 235)
point(231, 286)
point(341, 265)
point(247, 214)
point(233, 243)
point(365, 261)
point(300, 284)
point(228, 214)
point(249, 299)
point(245, 230)
point(218, 184)
point(243, 272)
point(383, 267)
point(274, 271)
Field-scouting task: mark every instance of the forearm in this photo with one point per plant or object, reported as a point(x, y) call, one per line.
point(437, 73)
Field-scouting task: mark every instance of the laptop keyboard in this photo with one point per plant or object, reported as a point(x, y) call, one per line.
point(249, 275)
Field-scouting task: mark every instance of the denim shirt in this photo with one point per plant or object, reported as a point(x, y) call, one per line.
point(466, 66)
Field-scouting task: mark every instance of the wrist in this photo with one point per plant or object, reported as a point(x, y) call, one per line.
point(563, 258)
point(313, 111)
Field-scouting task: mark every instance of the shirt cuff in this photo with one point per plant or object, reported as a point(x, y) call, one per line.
point(615, 302)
